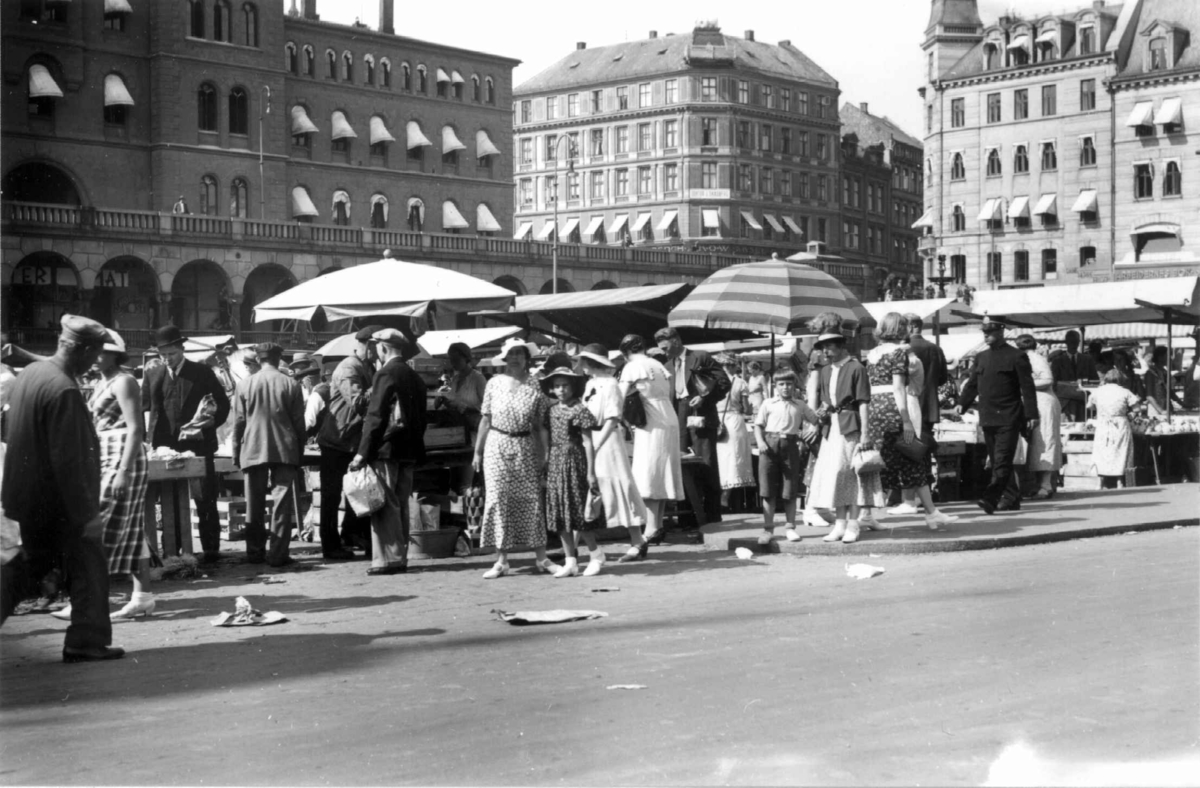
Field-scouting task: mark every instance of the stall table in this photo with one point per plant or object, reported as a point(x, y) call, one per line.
point(170, 484)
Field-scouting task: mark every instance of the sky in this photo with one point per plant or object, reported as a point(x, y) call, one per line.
point(871, 47)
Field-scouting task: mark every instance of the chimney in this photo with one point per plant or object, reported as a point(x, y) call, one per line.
point(1097, 4)
point(387, 13)
point(863, 106)
point(310, 9)
point(581, 45)
point(654, 34)
point(787, 42)
point(749, 35)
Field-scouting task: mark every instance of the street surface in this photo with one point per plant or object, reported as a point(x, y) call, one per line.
point(1067, 663)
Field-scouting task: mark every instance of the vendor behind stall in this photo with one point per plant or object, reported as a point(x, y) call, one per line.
point(463, 395)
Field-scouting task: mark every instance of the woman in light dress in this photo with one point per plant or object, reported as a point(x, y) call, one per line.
point(756, 387)
point(657, 470)
point(623, 504)
point(1112, 451)
point(1045, 445)
point(733, 453)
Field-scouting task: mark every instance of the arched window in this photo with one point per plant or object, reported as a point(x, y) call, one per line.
point(347, 67)
point(341, 208)
point(331, 63)
point(1020, 159)
point(405, 77)
point(475, 93)
point(958, 219)
point(1158, 54)
point(222, 22)
point(250, 14)
point(385, 73)
point(42, 89)
point(239, 112)
point(290, 60)
point(239, 193)
point(206, 108)
point(416, 214)
point(310, 61)
point(208, 195)
point(379, 211)
point(369, 69)
point(491, 91)
point(993, 162)
point(196, 19)
point(422, 80)
point(1172, 180)
point(991, 57)
point(957, 170)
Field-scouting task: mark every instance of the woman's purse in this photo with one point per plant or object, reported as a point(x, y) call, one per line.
point(916, 450)
point(722, 430)
point(867, 461)
point(633, 412)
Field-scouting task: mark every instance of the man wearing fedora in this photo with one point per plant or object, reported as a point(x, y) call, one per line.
point(393, 442)
point(172, 393)
point(268, 438)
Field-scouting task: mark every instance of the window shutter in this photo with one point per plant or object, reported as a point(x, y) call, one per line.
point(724, 172)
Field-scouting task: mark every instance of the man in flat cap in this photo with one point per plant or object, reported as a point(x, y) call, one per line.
point(52, 470)
point(339, 436)
point(187, 404)
point(268, 438)
point(1002, 381)
point(393, 442)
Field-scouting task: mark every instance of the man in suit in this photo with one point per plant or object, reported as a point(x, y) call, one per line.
point(1069, 368)
point(698, 385)
point(173, 393)
point(1002, 380)
point(933, 362)
point(393, 442)
point(268, 438)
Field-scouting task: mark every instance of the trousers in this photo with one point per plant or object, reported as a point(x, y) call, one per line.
point(1001, 445)
point(85, 566)
point(280, 479)
point(390, 525)
point(334, 465)
point(204, 493)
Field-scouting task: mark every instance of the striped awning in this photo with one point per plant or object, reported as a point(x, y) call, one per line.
point(42, 84)
point(795, 228)
point(772, 296)
point(379, 131)
point(771, 220)
point(115, 92)
point(484, 145)
point(340, 127)
point(667, 219)
point(484, 221)
point(302, 204)
point(301, 123)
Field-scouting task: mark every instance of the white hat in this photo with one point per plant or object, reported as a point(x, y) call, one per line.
point(114, 344)
point(827, 338)
point(511, 344)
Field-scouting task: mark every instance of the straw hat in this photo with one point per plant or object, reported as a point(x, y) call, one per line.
point(597, 353)
point(511, 344)
point(559, 366)
point(823, 338)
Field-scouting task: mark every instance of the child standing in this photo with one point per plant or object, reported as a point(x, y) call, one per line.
point(571, 471)
point(778, 427)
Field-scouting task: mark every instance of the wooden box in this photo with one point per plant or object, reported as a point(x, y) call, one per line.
point(179, 468)
point(445, 437)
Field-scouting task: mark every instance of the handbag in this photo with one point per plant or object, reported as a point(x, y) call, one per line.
point(916, 450)
point(722, 430)
point(633, 412)
point(867, 461)
point(593, 508)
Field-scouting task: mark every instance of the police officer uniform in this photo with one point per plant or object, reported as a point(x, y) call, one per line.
point(1002, 382)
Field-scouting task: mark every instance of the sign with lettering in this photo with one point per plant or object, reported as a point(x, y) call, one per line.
point(708, 194)
point(112, 279)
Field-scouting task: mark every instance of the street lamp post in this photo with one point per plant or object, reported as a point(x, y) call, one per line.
point(570, 171)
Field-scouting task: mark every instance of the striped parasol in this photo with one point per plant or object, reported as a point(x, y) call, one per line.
point(774, 296)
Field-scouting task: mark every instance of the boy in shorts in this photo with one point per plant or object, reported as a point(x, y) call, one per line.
point(778, 428)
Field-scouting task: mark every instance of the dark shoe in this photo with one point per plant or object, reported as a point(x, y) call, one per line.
point(635, 553)
point(1009, 506)
point(986, 505)
point(658, 538)
point(255, 558)
point(210, 557)
point(98, 654)
point(387, 570)
point(341, 554)
point(288, 561)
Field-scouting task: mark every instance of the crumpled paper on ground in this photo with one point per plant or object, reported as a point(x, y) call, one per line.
point(528, 617)
point(246, 616)
point(744, 553)
point(863, 571)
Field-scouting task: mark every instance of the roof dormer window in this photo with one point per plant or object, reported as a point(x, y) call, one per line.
point(1047, 45)
point(1158, 54)
point(1087, 40)
point(1018, 49)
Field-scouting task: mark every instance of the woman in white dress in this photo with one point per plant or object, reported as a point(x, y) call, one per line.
point(657, 471)
point(733, 453)
point(1112, 451)
point(623, 504)
point(1045, 445)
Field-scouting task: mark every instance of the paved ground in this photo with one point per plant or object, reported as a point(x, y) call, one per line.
point(1049, 664)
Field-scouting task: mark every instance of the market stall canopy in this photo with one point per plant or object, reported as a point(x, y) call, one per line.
point(434, 343)
point(1137, 301)
point(923, 308)
point(961, 346)
point(386, 287)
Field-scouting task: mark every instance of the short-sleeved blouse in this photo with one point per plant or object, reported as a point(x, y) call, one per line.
point(892, 362)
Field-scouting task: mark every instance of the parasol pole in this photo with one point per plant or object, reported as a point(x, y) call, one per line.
point(1170, 358)
point(772, 362)
point(937, 328)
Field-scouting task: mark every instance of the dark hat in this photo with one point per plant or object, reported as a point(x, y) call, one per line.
point(991, 324)
point(84, 330)
point(268, 350)
point(304, 369)
point(556, 368)
point(460, 349)
point(367, 333)
point(168, 335)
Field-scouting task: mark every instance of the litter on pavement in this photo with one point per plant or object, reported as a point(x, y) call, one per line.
point(626, 686)
point(528, 617)
point(744, 553)
point(246, 616)
point(602, 589)
point(863, 571)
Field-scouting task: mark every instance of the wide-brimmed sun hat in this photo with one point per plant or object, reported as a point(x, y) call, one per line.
point(823, 338)
point(512, 344)
point(598, 353)
point(578, 381)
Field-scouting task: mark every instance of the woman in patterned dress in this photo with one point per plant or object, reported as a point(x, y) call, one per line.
point(623, 504)
point(571, 473)
point(733, 453)
point(892, 419)
point(510, 452)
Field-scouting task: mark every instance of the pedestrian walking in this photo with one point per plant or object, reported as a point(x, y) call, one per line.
point(52, 474)
point(393, 442)
point(187, 404)
point(1112, 452)
point(935, 374)
point(571, 470)
point(734, 458)
point(777, 429)
point(1044, 455)
point(623, 504)
point(1002, 381)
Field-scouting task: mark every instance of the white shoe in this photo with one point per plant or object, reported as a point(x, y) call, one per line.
point(766, 537)
point(569, 569)
point(905, 508)
point(64, 614)
point(594, 565)
point(852, 531)
point(791, 535)
point(143, 607)
point(839, 530)
point(869, 522)
point(548, 566)
point(814, 520)
point(939, 518)
point(499, 570)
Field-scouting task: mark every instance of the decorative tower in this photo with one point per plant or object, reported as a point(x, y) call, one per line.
point(954, 28)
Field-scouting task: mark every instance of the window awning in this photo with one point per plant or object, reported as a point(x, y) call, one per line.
point(1047, 204)
point(451, 218)
point(711, 218)
point(340, 127)
point(117, 7)
point(442, 76)
point(667, 220)
point(302, 205)
point(42, 84)
point(568, 226)
point(989, 211)
point(749, 219)
point(1170, 111)
point(115, 92)
point(1140, 116)
point(771, 220)
point(415, 203)
point(594, 226)
point(617, 224)
point(1048, 37)
point(484, 221)
point(456, 78)
point(1020, 42)
point(379, 199)
point(547, 231)
point(450, 141)
point(523, 231)
point(1086, 201)
point(642, 220)
point(926, 220)
point(484, 145)
point(1019, 208)
point(415, 138)
point(300, 122)
point(340, 196)
point(1166, 228)
point(795, 228)
point(379, 131)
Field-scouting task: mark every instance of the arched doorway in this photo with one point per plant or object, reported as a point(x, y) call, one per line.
point(200, 298)
point(37, 181)
point(44, 287)
point(126, 295)
point(264, 282)
point(563, 287)
point(604, 284)
point(510, 283)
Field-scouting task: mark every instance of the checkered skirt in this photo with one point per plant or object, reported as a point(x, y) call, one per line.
point(124, 516)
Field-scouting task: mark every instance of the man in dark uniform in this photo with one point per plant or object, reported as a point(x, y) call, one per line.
point(1002, 381)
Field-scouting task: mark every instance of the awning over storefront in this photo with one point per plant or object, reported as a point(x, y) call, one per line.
point(567, 226)
point(642, 220)
point(1048, 37)
point(1140, 116)
point(594, 226)
point(1020, 42)
point(1047, 204)
point(451, 218)
point(1019, 208)
point(442, 76)
point(1170, 111)
point(547, 230)
point(450, 140)
point(301, 123)
point(618, 223)
point(668, 218)
point(340, 127)
point(379, 131)
point(771, 220)
point(456, 78)
point(302, 204)
point(484, 145)
point(989, 212)
point(1085, 202)
point(117, 7)
point(523, 231)
point(795, 228)
point(926, 220)
point(115, 92)
point(42, 84)
point(415, 139)
point(749, 219)
point(484, 221)
point(710, 218)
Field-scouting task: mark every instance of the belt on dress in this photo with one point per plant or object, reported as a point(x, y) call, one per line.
point(524, 434)
point(784, 435)
point(883, 388)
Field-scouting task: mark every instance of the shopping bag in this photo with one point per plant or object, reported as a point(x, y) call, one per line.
point(867, 461)
point(364, 491)
point(593, 508)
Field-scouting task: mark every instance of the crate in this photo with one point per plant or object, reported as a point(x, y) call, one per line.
point(445, 437)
